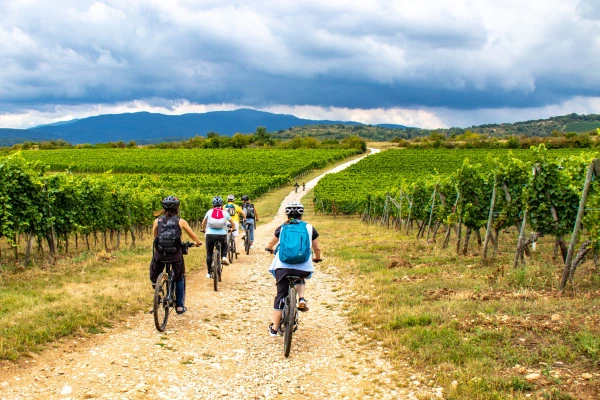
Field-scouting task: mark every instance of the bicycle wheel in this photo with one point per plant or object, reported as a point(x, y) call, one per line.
point(161, 302)
point(247, 241)
point(216, 267)
point(289, 321)
point(230, 249)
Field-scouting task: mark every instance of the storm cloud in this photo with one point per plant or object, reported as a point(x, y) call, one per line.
point(442, 60)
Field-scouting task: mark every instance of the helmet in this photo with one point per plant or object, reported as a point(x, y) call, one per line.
point(244, 198)
point(217, 201)
point(294, 209)
point(170, 203)
point(230, 197)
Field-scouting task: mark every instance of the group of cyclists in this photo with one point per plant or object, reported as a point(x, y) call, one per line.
point(221, 219)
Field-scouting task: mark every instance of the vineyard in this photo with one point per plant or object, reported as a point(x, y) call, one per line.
point(106, 195)
point(451, 192)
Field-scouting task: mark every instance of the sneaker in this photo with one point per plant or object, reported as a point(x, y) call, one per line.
point(209, 276)
point(224, 261)
point(272, 331)
point(251, 246)
point(302, 304)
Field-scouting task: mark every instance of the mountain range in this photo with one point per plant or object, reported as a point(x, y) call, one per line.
point(145, 127)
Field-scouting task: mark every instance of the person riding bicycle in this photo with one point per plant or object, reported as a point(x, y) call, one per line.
point(251, 218)
point(234, 211)
point(215, 225)
point(296, 186)
point(167, 247)
point(299, 239)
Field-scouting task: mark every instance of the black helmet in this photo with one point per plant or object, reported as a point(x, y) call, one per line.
point(244, 198)
point(294, 209)
point(170, 203)
point(217, 201)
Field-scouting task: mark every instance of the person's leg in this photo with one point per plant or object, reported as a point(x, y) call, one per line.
point(278, 303)
point(236, 238)
point(210, 247)
point(178, 277)
point(250, 229)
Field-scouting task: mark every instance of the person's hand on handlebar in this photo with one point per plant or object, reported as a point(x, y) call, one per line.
point(197, 244)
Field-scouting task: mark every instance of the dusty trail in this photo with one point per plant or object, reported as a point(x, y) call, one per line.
point(221, 349)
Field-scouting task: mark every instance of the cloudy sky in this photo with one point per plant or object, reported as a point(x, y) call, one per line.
point(428, 63)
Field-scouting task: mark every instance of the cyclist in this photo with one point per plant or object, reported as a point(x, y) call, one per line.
point(235, 211)
point(167, 247)
point(215, 224)
point(281, 270)
point(251, 218)
point(296, 186)
point(303, 186)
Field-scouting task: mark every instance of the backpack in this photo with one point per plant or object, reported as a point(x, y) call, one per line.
point(249, 210)
point(230, 209)
point(216, 219)
point(169, 235)
point(295, 242)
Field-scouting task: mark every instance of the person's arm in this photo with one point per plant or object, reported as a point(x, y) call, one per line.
point(272, 243)
point(316, 249)
point(241, 211)
point(155, 228)
point(186, 227)
point(255, 215)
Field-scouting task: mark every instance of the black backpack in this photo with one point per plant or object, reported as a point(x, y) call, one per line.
point(249, 210)
point(169, 235)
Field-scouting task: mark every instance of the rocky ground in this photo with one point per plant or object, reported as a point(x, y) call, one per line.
point(221, 348)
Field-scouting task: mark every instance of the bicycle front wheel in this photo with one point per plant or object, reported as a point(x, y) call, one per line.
point(161, 302)
point(289, 313)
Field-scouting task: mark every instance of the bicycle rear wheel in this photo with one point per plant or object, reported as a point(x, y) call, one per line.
point(216, 270)
point(247, 241)
point(289, 315)
point(161, 302)
point(230, 249)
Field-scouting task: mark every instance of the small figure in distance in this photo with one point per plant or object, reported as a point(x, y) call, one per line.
point(296, 186)
point(303, 186)
point(251, 218)
point(167, 246)
point(299, 265)
point(215, 225)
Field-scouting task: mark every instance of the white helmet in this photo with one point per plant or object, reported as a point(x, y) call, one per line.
point(294, 209)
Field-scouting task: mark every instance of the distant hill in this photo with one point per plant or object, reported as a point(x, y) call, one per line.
point(145, 127)
point(8, 137)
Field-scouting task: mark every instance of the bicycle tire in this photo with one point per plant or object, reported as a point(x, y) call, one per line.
point(247, 241)
point(230, 249)
point(161, 306)
point(290, 319)
point(216, 270)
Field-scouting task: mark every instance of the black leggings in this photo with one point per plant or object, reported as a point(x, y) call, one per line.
point(210, 246)
point(283, 285)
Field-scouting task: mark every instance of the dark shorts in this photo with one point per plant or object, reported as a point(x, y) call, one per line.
point(283, 285)
point(157, 266)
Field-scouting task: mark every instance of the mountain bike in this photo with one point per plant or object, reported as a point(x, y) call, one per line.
point(217, 265)
point(289, 316)
point(231, 250)
point(247, 237)
point(164, 292)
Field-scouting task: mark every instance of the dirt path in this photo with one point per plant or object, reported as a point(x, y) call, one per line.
point(221, 349)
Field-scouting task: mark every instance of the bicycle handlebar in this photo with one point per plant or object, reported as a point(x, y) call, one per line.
point(188, 244)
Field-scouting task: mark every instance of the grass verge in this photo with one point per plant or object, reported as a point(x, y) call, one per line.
point(477, 333)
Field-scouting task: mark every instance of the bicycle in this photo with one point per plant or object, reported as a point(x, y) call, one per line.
point(289, 316)
point(164, 292)
point(217, 265)
point(231, 250)
point(247, 237)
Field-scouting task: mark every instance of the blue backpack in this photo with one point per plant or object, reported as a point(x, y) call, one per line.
point(294, 243)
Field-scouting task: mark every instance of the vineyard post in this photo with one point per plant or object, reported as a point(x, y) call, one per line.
point(400, 228)
point(431, 213)
point(488, 229)
point(577, 227)
point(410, 203)
point(459, 232)
point(130, 227)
